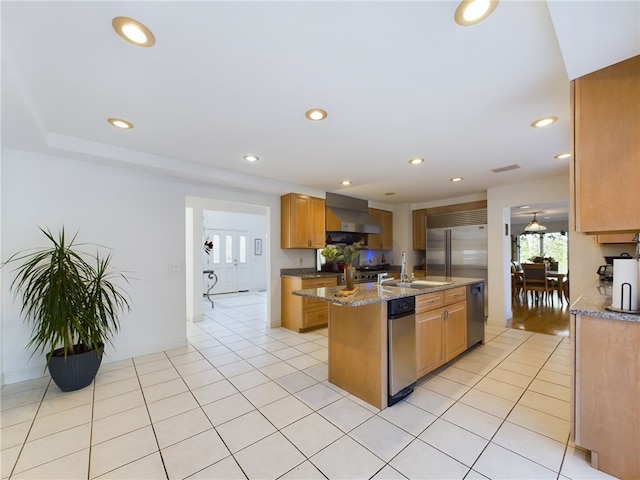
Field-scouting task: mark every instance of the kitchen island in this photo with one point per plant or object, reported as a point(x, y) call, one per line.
point(358, 331)
point(605, 383)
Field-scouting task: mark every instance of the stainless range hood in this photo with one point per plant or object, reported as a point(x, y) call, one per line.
point(353, 214)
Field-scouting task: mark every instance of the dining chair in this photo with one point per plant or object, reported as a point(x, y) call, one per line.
point(517, 281)
point(565, 287)
point(536, 281)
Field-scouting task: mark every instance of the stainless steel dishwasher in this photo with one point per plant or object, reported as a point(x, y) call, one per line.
point(402, 348)
point(475, 313)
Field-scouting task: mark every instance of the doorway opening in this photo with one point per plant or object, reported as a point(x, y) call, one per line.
point(550, 246)
point(220, 253)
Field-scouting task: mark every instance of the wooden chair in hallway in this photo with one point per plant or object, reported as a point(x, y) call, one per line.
point(536, 281)
point(517, 281)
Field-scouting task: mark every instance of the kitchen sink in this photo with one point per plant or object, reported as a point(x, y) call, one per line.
point(417, 284)
point(430, 283)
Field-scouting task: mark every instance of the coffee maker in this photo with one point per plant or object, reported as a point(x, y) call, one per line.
point(605, 272)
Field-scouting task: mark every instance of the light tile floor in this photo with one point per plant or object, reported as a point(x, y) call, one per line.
point(246, 401)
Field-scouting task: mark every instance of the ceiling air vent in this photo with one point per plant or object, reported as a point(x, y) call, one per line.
point(506, 169)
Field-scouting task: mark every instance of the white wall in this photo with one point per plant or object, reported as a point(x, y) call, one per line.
point(142, 217)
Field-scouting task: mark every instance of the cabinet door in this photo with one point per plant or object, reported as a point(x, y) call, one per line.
point(332, 223)
point(317, 224)
point(455, 330)
point(605, 386)
point(606, 170)
point(302, 220)
point(384, 240)
point(429, 348)
point(419, 229)
point(387, 230)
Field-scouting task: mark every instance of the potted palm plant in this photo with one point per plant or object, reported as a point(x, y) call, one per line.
point(349, 253)
point(73, 304)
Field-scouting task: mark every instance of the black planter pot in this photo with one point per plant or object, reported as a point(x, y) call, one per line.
point(76, 371)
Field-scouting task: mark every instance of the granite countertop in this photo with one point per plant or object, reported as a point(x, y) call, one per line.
point(306, 273)
point(372, 293)
point(594, 302)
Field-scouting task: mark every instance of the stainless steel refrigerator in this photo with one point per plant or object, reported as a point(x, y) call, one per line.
point(457, 251)
point(462, 252)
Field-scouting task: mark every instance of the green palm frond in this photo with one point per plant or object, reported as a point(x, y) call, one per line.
point(67, 300)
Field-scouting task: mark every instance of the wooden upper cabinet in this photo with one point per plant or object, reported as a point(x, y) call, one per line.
point(317, 234)
point(618, 238)
point(420, 229)
point(384, 240)
point(302, 221)
point(606, 162)
point(332, 222)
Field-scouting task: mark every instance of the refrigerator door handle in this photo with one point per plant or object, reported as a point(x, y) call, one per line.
point(447, 253)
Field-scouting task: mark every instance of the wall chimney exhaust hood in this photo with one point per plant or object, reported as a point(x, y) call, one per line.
point(353, 214)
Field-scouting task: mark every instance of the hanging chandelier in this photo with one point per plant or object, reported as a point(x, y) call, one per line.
point(534, 226)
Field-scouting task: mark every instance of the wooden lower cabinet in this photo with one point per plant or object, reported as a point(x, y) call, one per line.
point(455, 330)
point(441, 328)
point(605, 391)
point(429, 336)
point(300, 314)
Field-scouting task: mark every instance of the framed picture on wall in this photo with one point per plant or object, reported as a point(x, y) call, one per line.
point(257, 246)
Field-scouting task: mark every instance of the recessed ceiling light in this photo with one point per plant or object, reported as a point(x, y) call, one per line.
point(543, 122)
point(345, 182)
point(251, 158)
point(457, 179)
point(389, 193)
point(133, 31)
point(470, 12)
point(562, 155)
point(416, 161)
point(523, 207)
point(120, 123)
point(316, 114)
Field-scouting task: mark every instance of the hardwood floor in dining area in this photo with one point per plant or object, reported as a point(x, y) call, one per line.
point(541, 317)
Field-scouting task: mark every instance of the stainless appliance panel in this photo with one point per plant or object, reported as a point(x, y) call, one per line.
point(475, 313)
point(402, 353)
point(458, 252)
point(457, 249)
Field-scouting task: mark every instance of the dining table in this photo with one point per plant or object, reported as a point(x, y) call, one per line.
point(561, 278)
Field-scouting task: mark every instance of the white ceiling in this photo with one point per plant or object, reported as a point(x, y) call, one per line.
point(398, 79)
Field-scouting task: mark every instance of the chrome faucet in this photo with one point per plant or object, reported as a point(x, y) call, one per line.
point(382, 279)
point(403, 275)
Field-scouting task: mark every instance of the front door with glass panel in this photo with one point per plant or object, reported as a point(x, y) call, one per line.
point(228, 259)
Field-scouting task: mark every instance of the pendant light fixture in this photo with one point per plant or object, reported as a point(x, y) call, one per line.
point(534, 226)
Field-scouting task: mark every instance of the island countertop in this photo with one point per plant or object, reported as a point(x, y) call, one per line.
point(369, 293)
point(594, 301)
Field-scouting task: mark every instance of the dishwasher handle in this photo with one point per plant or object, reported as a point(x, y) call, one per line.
point(401, 315)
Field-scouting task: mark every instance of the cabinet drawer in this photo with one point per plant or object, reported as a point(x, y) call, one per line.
point(319, 282)
point(312, 304)
point(312, 317)
point(429, 301)
point(454, 295)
